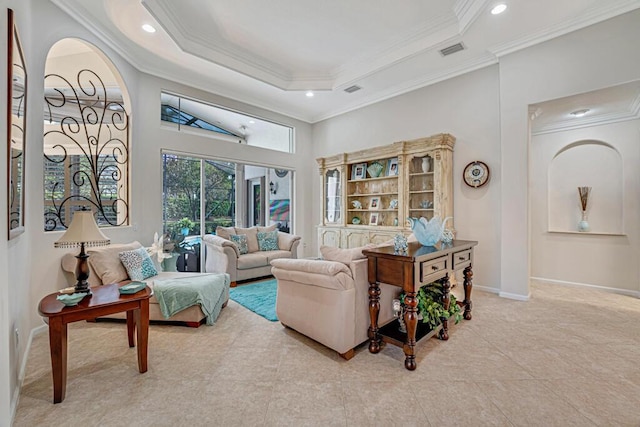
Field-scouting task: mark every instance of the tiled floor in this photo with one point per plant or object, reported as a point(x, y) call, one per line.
point(567, 357)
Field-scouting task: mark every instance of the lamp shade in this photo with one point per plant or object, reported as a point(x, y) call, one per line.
point(83, 229)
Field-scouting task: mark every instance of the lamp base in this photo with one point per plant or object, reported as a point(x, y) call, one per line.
point(82, 272)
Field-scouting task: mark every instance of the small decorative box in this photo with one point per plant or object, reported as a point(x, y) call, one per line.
point(132, 288)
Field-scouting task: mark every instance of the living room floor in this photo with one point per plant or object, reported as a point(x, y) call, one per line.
point(569, 356)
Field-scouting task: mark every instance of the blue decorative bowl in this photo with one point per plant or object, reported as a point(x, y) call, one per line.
point(71, 300)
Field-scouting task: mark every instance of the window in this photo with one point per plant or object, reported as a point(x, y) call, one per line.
point(86, 138)
point(191, 115)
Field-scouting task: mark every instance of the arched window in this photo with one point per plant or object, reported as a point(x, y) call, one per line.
point(86, 137)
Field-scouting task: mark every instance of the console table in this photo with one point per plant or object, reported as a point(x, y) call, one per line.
point(103, 301)
point(417, 267)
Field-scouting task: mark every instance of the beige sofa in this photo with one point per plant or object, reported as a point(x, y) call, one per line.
point(223, 255)
point(105, 267)
point(328, 300)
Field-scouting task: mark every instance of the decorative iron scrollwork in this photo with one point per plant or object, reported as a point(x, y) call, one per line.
point(90, 143)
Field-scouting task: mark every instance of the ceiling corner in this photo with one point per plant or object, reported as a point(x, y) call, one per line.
point(467, 11)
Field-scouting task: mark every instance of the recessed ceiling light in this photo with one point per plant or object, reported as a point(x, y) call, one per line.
point(149, 28)
point(309, 94)
point(580, 113)
point(251, 122)
point(498, 9)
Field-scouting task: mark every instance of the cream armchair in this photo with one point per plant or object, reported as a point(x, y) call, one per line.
point(222, 255)
point(328, 301)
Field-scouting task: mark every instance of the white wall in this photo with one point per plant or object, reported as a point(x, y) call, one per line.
point(595, 57)
point(602, 260)
point(466, 107)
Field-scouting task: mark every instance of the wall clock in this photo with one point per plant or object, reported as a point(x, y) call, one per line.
point(476, 174)
point(281, 173)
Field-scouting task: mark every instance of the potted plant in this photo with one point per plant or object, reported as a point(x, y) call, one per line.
point(185, 225)
point(430, 305)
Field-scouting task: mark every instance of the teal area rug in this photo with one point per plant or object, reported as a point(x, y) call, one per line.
point(259, 297)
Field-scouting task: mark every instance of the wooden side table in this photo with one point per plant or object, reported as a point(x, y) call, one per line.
point(104, 300)
point(410, 271)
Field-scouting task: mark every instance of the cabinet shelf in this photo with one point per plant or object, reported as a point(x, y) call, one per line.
point(420, 191)
point(372, 210)
point(420, 174)
point(370, 195)
point(378, 178)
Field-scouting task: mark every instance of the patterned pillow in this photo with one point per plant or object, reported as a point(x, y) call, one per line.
point(138, 264)
point(241, 241)
point(268, 240)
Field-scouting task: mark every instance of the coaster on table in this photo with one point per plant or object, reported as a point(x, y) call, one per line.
point(133, 287)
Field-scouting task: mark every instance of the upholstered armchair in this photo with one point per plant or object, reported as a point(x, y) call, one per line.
point(224, 254)
point(328, 301)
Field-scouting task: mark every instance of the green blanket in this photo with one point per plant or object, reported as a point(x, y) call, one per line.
point(209, 290)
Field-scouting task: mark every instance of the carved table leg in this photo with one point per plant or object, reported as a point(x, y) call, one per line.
point(411, 320)
point(374, 310)
point(58, 346)
point(468, 285)
point(141, 316)
point(446, 301)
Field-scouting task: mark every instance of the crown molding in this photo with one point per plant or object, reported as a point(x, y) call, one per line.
point(409, 86)
point(468, 11)
point(599, 120)
point(593, 16)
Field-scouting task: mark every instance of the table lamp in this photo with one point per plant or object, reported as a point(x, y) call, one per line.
point(83, 231)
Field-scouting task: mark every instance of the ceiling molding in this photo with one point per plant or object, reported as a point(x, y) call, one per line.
point(408, 86)
point(468, 11)
point(598, 120)
point(635, 106)
point(593, 16)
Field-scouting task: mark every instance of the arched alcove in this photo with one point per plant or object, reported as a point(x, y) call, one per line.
point(86, 136)
point(586, 163)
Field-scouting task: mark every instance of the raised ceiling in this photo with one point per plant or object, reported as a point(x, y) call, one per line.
point(269, 53)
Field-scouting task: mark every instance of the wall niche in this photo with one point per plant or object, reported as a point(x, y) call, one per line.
point(594, 164)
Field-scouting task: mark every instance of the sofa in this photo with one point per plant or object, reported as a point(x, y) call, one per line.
point(105, 266)
point(328, 299)
point(224, 252)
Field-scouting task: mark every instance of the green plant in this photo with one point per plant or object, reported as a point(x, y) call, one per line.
point(431, 307)
point(186, 223)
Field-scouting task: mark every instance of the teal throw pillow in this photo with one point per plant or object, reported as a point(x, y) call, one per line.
point(268, 240)
point(241, 241)
point(138, 264)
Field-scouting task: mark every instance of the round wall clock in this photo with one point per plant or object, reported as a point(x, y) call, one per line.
point(476, 174)
point(281, 173)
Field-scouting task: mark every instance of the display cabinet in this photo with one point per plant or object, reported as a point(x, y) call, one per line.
point(368, 194)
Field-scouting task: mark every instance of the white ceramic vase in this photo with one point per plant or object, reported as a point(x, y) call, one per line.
point(426, 165)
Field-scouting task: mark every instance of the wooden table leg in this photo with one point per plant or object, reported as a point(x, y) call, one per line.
point(374, 310)
point(58, 348)
point(131, 326)
point(142, 321)
point(446, 301)
point(468, 285)
point(411, 320)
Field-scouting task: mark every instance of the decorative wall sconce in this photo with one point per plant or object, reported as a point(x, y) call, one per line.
point(273, 187)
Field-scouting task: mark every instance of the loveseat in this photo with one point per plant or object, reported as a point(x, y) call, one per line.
point(105, 266)
point(328, 299)
point(247, 257)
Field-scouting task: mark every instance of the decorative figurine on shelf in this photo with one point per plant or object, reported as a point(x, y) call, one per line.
point(399, 313)
point(447, 236)
point(356, 204)
point(400, 244)
point(393, 204)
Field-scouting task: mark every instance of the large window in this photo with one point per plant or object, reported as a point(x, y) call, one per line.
point(86, 137)
point(190, 115)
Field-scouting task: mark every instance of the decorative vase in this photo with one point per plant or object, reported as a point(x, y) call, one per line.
point(583, 225)
point(426, 165)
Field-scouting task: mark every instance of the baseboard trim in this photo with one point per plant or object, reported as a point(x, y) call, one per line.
point(23, 369)
point(517, 297)
point(487, 289)
point(627, 292)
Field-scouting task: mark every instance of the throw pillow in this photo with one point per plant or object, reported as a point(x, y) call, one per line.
point(271, 227)
point(252, 237)
point(241, 242)
point(105, 262)
point(344, 256)
point(268, 240)
point(138, 264)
